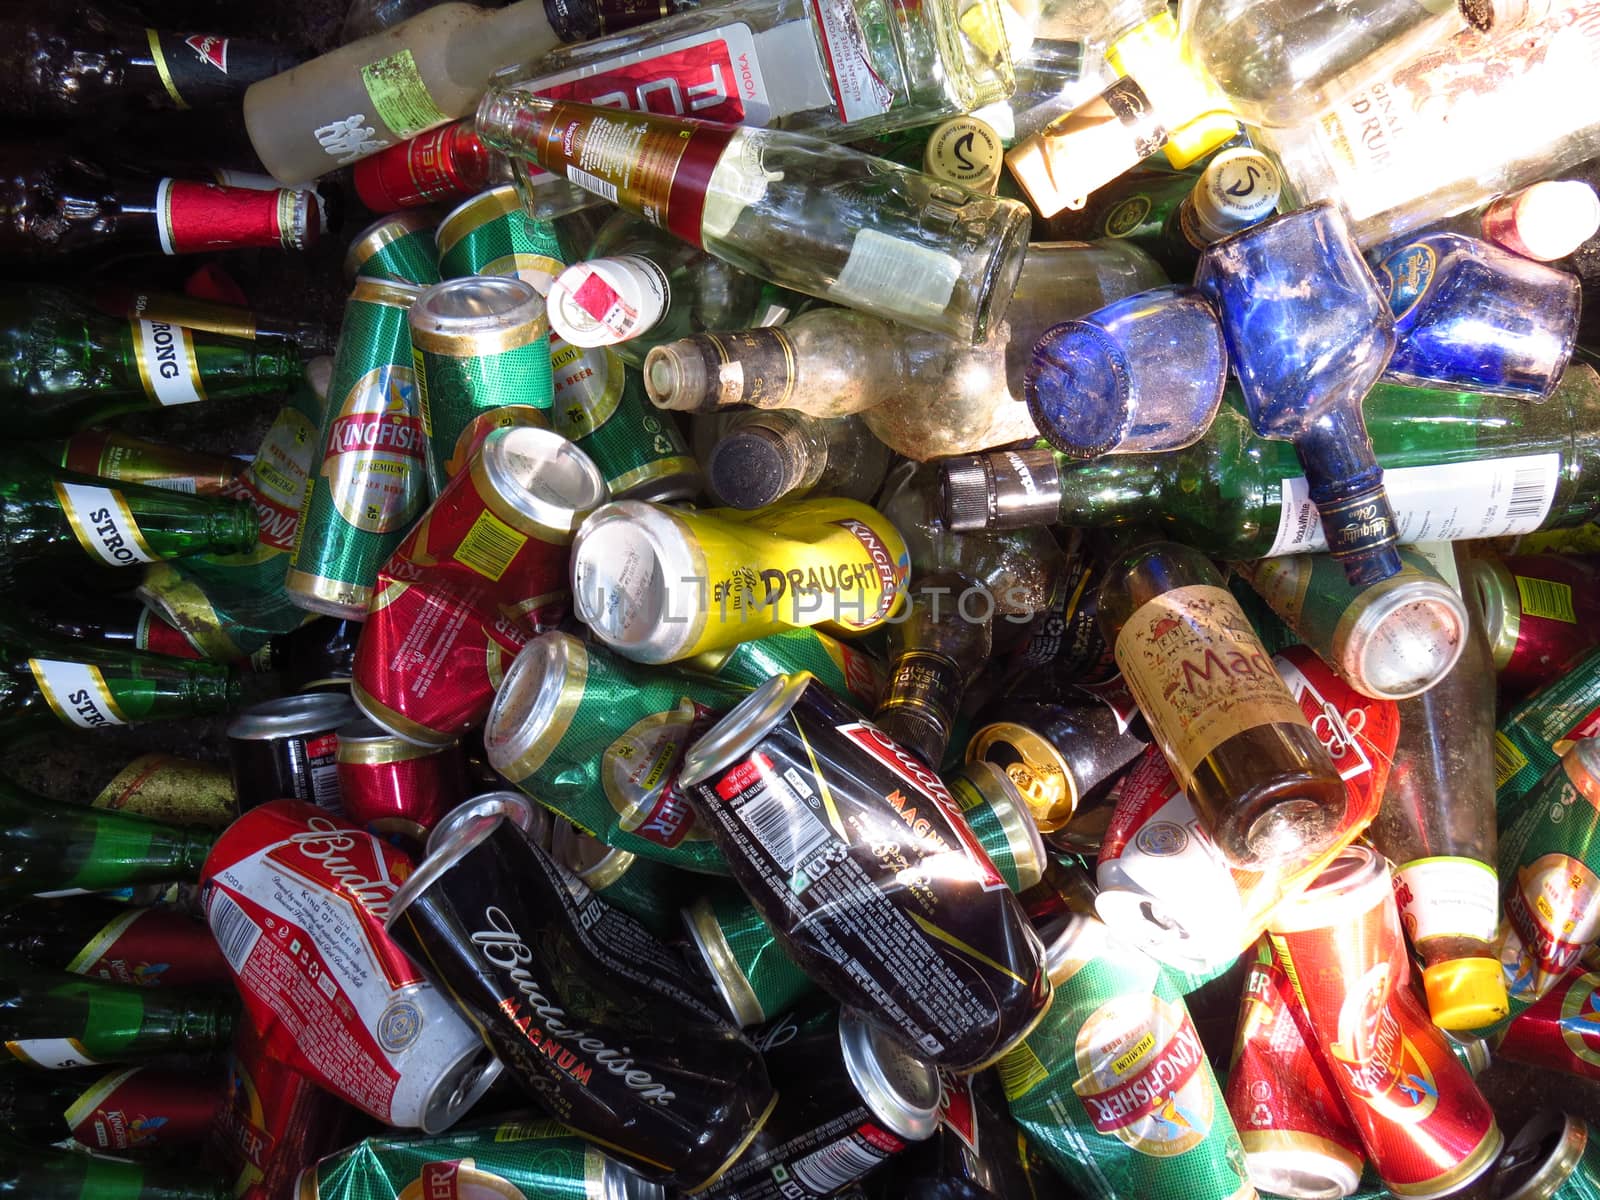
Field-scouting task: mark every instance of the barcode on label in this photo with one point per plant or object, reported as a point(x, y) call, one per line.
point(783, 825)
point(489, 546)
point(185, 485)
point(1508, 760)
point(827, 1170)
point(593, 183)
point(235, 932)
point(1528, 498)
point(1546, 598)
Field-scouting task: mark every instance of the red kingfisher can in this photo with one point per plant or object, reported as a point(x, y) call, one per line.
point(297, 901)
point(1297, 1137)
point(391, 785)
point(484, 570)
point(1561, 1031)
point(274, 1123)
point(1423, 1122)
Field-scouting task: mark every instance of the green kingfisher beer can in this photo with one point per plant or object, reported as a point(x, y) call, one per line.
point(491, 234)
point(1113, 1085)
point(846, 670)
point(1538, 731)
point(514, 1160)
point(369, 484)
point(754, 975)
point(481, 346)
point(398, 247)
point(600, 741)
point(998, 817)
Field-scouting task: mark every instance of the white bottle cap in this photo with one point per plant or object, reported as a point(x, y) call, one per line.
point(608, 300)
point(1238, 188)
point(1546, 221)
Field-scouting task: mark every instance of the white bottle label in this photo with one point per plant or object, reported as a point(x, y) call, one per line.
point(889, 275)
point(1492, 497)
point(77, 692)
point(859, 90)
point(103, 525)
point(167, 365)
point(608, 300)
point(53, 1054)
point(1448, 897)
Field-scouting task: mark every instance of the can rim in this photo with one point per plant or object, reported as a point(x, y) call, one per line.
point(705, 932)
point(642, 529)
point(309, 712)
point(522, 731)
point(464, 218)
point(544, 478)
point(509, 314)
point(1354, 881)
point(461, 1085)
point(587, 857)
point(512, 806)
point(899, 1088)
point(1546, 1175)
point(745, 724)
point(457, 833)
point(1495, 590)
point(1288, 1170)
point(1016, 821)
point(380, 233)
point(619, 1183)
point(1363, 651)
point(1128, 913)
point(1060, 810)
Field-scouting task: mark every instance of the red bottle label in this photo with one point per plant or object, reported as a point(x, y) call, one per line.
point(447, 163)
point(153, 947)
point(193, 217)
point(142, 1108)
point(159, 637)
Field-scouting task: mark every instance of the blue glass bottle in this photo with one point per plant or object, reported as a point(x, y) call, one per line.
point(1309, 332)
point(1470, 314)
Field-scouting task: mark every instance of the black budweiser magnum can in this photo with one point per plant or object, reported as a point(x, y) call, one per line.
point(860, 861)
point(599, 1021)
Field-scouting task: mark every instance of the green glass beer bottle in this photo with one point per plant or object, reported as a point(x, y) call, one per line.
point(64, 364)
point(51, 512)
point(41, 1174)
point(1457, 466)
point(142, 1112)
point(47, 680)
point(47, 846)
point(57, 1020)
point(154, 945)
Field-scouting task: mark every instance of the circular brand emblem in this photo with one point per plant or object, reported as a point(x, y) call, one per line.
point(1127, 216)
point(1580, 1019)
point(1143, 1077)
point(1162, 839)
point(399, 1025)
point(373, 454)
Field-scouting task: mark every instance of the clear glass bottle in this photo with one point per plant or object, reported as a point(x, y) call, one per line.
point(762, 457)
point(785, 208)
point(1236, 740)
point(1464, 121)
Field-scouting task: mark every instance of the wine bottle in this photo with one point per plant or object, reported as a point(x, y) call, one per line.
point(75, 61)
point(786, 208)
point(1458, 465)
point(59, 207)
point(65, 365)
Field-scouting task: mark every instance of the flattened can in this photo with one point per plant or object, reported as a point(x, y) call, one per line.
point(1423, 1123)
point(650, 892)
point(1555, 1156)
point(851, 1098)
point(481, 344)
point(592, 1015)
point(600, 741)
point(297, 902)
point(859, 858)
point(1549, 872)
point(285, 749)
point(370, 482)
point(483, 570)
point(390, 785)
point(753, 973)
point(847, 670)
point(1297, 1139)
point(1113, 1084)
point(512, 1160)
point(1536, 733)
point(398, 247)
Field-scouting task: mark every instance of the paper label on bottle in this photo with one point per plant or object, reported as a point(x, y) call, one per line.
point(77, 693)
point(891, 275)
point(859, 89)
point(167, 365)
point(1199, 673)
point(1406, 273)
point(1491, 497)
point(608, 300)
point(400, 96)
point(53, 1054)
point(103, 524)
point(1448, 897)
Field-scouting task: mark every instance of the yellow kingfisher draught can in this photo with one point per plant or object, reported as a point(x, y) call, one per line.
point(658, 584)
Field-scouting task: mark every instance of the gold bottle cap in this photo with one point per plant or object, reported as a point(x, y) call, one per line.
point(967, 151)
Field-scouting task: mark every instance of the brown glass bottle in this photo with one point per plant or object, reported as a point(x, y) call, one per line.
point(60, 206)
point(1234, 737)
point(72, 60)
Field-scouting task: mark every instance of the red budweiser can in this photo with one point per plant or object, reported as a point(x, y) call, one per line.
point(1561, 1031)
point(297, 901)
point(274, 1123)
point(1297, 1137)
point(1423, 1122)
point(485, 569)
point(391, 785)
